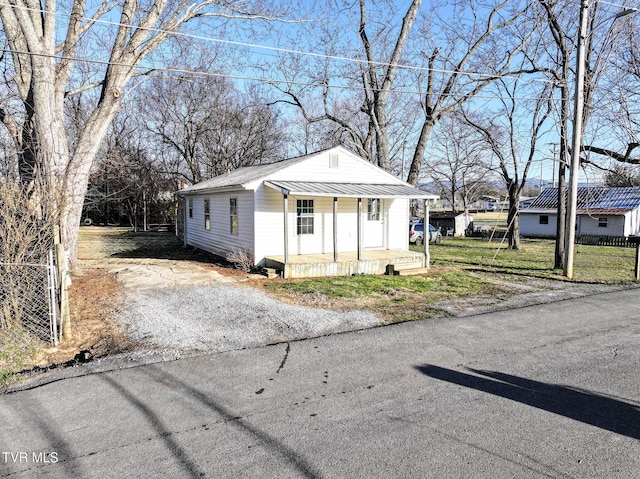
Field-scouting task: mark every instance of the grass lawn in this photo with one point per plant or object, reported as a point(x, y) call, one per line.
point(592, 264)
point(16, 354)
point(461, 268)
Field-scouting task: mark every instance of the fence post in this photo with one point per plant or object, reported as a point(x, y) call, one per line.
point(65, 316)
point(53, 304)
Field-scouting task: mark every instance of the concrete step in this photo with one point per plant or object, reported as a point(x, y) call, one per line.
point(408, 265)
point(396, 268)
point(270, 273)
point(412, 271)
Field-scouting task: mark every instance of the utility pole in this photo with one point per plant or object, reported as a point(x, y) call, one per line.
point(576, 142)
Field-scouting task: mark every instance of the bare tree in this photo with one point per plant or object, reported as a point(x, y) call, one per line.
point(361, 121)
point(44, 39)
point(399, 58)
point(458, 162)
point(126, 184)
point(560, 18)
point(622, 175)
point(554, 18)
point(377, 80)
point(445, 84)
point(208, 125)
point(502, 133)
point(615, 137)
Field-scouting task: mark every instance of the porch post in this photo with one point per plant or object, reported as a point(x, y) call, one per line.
point(285, 208)
point(185, 218)
point(426, 234)
point(335, 229)
point(359, 229)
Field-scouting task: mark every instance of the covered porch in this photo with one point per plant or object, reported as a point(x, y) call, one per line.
point(347, 264)
point(389, 257)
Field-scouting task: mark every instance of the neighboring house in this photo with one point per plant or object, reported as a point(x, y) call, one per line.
point(525, 202)
point(600, 211)
point(450, 223)
point(327, 213)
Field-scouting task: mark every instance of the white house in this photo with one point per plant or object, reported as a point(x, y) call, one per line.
point(600, 211)
point(327, 213)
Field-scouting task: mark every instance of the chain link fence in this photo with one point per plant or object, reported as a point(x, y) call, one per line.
point(28, 300)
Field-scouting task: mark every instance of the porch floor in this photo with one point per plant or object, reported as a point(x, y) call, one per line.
point(371, 262)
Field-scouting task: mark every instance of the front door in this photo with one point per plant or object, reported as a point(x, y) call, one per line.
point(374, 224)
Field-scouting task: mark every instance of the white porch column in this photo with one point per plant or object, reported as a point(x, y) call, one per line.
point(359, 230)
point(426, 235)
point(285, 208)
point(185, 217)
point(335, 229)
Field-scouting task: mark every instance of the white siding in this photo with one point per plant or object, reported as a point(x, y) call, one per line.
point(319, 241)
point(269, 223)
point(219, 240)
point(617, 225)
point(530, 225)
point(261, 215)
point(348, 223)
point(632, 222)
point(589, 225)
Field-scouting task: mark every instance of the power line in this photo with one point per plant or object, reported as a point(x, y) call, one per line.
point(266, 80)
point(286, 50)
point(616, 5)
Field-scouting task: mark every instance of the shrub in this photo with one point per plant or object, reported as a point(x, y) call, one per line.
point(241, 259)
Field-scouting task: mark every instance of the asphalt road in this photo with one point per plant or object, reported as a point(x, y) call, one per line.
point(544, 391)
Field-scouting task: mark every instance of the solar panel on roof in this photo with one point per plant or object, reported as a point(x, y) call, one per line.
point(593, 198)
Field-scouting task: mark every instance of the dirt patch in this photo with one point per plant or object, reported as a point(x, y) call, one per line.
point(95, 297)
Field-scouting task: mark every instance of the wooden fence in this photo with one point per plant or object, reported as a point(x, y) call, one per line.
point(601, 240)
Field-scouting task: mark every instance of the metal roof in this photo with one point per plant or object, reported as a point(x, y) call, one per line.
point(242, 176)
point(592, 200)
point(348, 190)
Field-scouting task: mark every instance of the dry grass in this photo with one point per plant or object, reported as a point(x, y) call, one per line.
point(95, 298)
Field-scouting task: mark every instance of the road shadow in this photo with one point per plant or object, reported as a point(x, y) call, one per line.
point(190, 467)
point(581, 405)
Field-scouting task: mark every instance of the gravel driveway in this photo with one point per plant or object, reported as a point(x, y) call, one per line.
point(220, 317)
point(175, 305)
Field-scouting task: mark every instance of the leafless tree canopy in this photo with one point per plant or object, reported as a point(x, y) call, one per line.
point(378, 77)
point(114, 38)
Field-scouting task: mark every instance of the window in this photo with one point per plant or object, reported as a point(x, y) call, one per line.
point(190, 207)
point(373, 209)
point(207, 214)
point(304, 217)
point(544, 219)
point(602, 222)
point(233, 215)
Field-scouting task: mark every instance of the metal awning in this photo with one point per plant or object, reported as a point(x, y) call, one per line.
point(348, 190)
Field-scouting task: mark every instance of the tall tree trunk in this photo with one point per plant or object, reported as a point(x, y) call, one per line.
point(513, 223)
point(378, 89)
point(418, 154)
point(382, 138)
point(562, 180)
point(78, 170)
